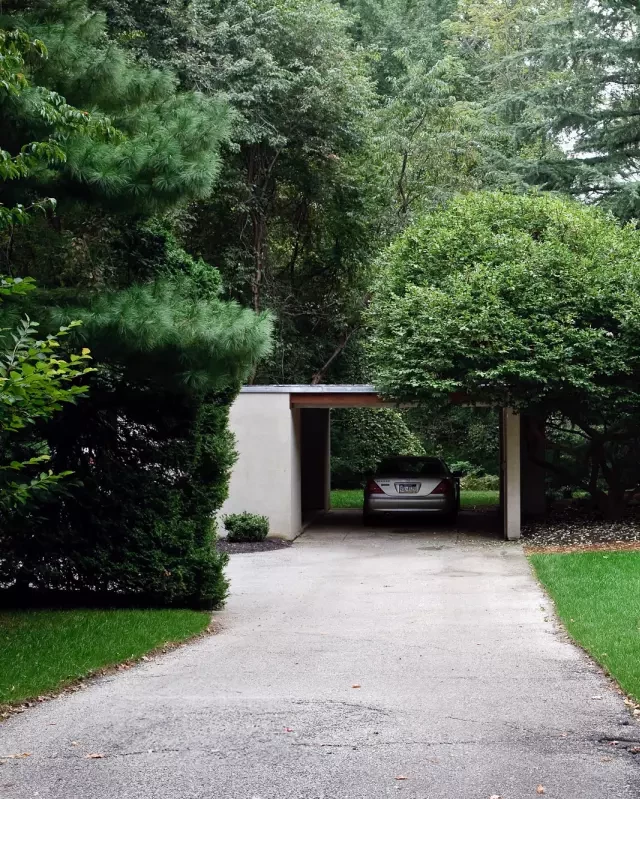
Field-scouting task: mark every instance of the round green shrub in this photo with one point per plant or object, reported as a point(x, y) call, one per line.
point(246, 527)
point(361, 438)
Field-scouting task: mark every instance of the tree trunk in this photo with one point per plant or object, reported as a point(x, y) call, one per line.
point(319, 375)
point(613, 502)
point(259, 233)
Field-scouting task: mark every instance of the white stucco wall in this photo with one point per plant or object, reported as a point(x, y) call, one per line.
point(266, 477)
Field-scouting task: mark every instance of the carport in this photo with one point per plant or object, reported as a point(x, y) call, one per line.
point(284, 453)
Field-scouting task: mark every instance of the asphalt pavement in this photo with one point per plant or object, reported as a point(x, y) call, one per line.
point(397, 662)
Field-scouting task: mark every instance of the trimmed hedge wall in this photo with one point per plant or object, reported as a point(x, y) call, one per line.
point(135, 522)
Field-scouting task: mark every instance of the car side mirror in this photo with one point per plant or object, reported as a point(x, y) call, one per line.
point(458, 474)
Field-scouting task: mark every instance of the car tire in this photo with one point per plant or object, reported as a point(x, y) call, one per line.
point(368, 520)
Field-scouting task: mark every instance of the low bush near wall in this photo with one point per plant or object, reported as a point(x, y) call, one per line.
point(246, 527)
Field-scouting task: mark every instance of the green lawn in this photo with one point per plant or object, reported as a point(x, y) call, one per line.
point(352, 499)
point(597, 595)
point(346, 499)
point(479, 500)
point(42, 650)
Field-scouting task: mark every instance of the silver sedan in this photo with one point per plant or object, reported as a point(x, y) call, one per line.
point(412, 484)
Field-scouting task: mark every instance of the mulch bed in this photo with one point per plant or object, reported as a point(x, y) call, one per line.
point(576, 527)
point(226, 547)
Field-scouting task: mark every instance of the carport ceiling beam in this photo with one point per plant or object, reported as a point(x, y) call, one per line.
point(329, 400)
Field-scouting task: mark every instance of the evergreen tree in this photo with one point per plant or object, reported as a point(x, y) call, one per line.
point(150, 444)
point(433, 136)
point(592, 98)
point(561, 78)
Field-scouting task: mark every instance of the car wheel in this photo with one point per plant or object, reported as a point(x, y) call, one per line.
point(368, 520)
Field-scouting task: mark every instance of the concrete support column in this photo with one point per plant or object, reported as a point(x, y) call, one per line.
point(510, 471)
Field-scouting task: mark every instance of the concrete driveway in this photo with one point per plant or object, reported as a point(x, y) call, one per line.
point(358, 663)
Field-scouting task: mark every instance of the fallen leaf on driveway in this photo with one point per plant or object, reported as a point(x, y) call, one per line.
point(95, 755)
point(495, 797)
point(17, 755)
point(355, 685)
point(596, 697)
point(401, 778)
point(287, 729)
point(539, 790)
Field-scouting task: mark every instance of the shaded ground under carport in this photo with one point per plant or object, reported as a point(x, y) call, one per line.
point(484, 524)
point(357, 663)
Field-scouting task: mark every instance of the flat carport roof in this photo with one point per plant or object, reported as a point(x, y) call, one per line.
point(324, 396)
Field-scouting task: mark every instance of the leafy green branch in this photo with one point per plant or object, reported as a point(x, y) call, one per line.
point(35, 382)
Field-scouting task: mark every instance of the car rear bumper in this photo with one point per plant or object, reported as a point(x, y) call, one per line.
point(375, 504)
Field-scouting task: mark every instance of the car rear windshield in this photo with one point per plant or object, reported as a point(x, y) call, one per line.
point(408, 465)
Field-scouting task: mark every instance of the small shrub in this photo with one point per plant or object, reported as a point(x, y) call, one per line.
point(246, 527)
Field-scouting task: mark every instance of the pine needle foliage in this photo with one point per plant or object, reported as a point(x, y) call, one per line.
point(168, 150)
point(149, 446)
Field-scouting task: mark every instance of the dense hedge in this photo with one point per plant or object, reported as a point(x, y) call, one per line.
point(136, 522)
point(360, 438)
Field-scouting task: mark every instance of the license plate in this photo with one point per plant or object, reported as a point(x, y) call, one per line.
point(410, 488)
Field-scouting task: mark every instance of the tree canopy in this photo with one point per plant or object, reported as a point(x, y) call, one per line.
point(531, 301)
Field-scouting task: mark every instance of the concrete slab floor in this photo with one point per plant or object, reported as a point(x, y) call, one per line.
point(466, 687)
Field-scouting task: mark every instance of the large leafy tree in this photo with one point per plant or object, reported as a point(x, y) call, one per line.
point(530, 301)
point(294, 223)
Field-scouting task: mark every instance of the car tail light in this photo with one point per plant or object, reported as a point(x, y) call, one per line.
point(444, 487)
point(373, 488)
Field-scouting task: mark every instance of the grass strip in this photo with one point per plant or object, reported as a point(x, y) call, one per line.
point(597, 597)
point(44, 650)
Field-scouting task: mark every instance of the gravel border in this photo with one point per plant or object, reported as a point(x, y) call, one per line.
point(226, 547)
point(579, 528)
